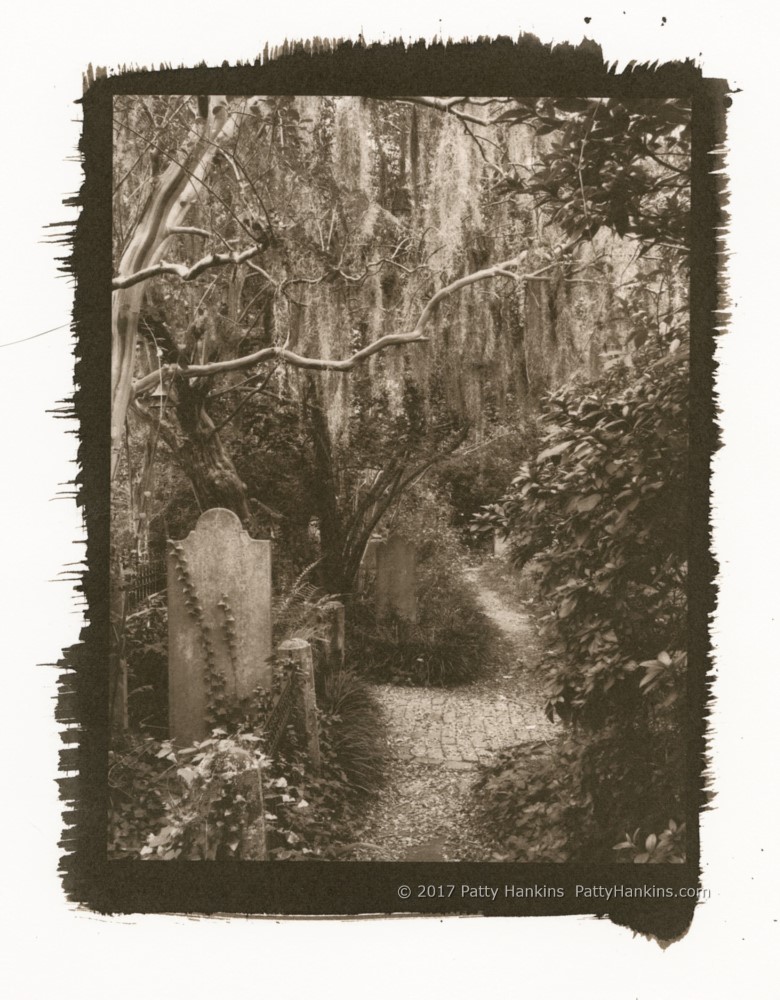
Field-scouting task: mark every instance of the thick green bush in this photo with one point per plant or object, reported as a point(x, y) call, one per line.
point(195, 803)
point(472, 479)
point(573, 800)
point(603, 510)
point(451, 645)
point(192, 803)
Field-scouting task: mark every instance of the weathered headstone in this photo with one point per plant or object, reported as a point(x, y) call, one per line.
point(500, 544)
point(219, 619)
point(396, 590)
point(367, 574)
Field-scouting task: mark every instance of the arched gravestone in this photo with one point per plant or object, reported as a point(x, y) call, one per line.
point(219, 618)
point(367, 572)
point(396, 585)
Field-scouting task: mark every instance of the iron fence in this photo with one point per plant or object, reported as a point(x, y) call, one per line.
point(143, 580)
point(280, 715)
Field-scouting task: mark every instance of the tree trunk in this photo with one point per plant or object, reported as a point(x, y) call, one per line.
point(324, 488)
point(203, 457)
point(178, 187)
point(343, 537)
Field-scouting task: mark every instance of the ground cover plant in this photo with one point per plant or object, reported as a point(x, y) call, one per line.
point(198, 802)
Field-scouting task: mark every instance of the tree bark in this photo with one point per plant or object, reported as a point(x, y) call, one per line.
point(325, 489)
point(203, 457)
point(178, 187)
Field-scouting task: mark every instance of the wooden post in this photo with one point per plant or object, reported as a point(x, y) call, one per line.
point(117, 680)
point(299, 651)
point(253, 837)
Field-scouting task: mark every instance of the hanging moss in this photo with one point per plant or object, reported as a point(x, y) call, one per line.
point(362, 180)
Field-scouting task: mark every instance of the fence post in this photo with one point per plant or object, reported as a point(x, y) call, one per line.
point(117, 661)
point(299, 651)
point(254, 846)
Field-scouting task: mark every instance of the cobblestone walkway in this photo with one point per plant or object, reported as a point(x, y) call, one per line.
point(438, 739)
point(457, 728)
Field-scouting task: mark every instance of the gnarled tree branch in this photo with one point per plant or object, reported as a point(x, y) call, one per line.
point(448, 106)
point(183, 271)
point(285, 355)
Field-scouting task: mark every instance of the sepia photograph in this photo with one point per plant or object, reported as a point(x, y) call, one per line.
point(390, 440)
point(399, 464)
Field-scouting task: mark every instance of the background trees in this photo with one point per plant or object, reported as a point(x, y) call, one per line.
point(433, 249)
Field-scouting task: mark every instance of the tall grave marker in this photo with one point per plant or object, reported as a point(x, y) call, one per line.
point(396, 585)
point(219, 619)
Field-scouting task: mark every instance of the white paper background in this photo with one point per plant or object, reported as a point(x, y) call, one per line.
point(54, 947)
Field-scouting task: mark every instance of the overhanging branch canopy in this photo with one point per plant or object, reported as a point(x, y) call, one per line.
point(285, 355)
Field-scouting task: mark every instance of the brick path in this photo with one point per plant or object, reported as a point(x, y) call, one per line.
point(457, 728)
point(439, 737)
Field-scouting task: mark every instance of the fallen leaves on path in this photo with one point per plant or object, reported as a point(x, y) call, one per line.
point(436, 739)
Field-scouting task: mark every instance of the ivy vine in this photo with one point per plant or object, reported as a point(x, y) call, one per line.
point(229, 632)
point(216, 707)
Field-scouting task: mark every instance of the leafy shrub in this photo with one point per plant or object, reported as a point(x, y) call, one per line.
point(569, 800)
point(215, 811)
point(450, 645)
point(474, 479)
point(668, 847)
point(526, 801)
point(139, 785)
point(603, 508)
point(201, 802)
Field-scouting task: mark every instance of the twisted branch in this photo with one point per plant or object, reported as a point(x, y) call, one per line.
point(185, 272)
point(285, 355)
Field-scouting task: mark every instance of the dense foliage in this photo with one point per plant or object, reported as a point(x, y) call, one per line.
point(611, 163)
point(603, 506)
point(146, 653)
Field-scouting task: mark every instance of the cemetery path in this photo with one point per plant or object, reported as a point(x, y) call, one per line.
point(438, 739)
